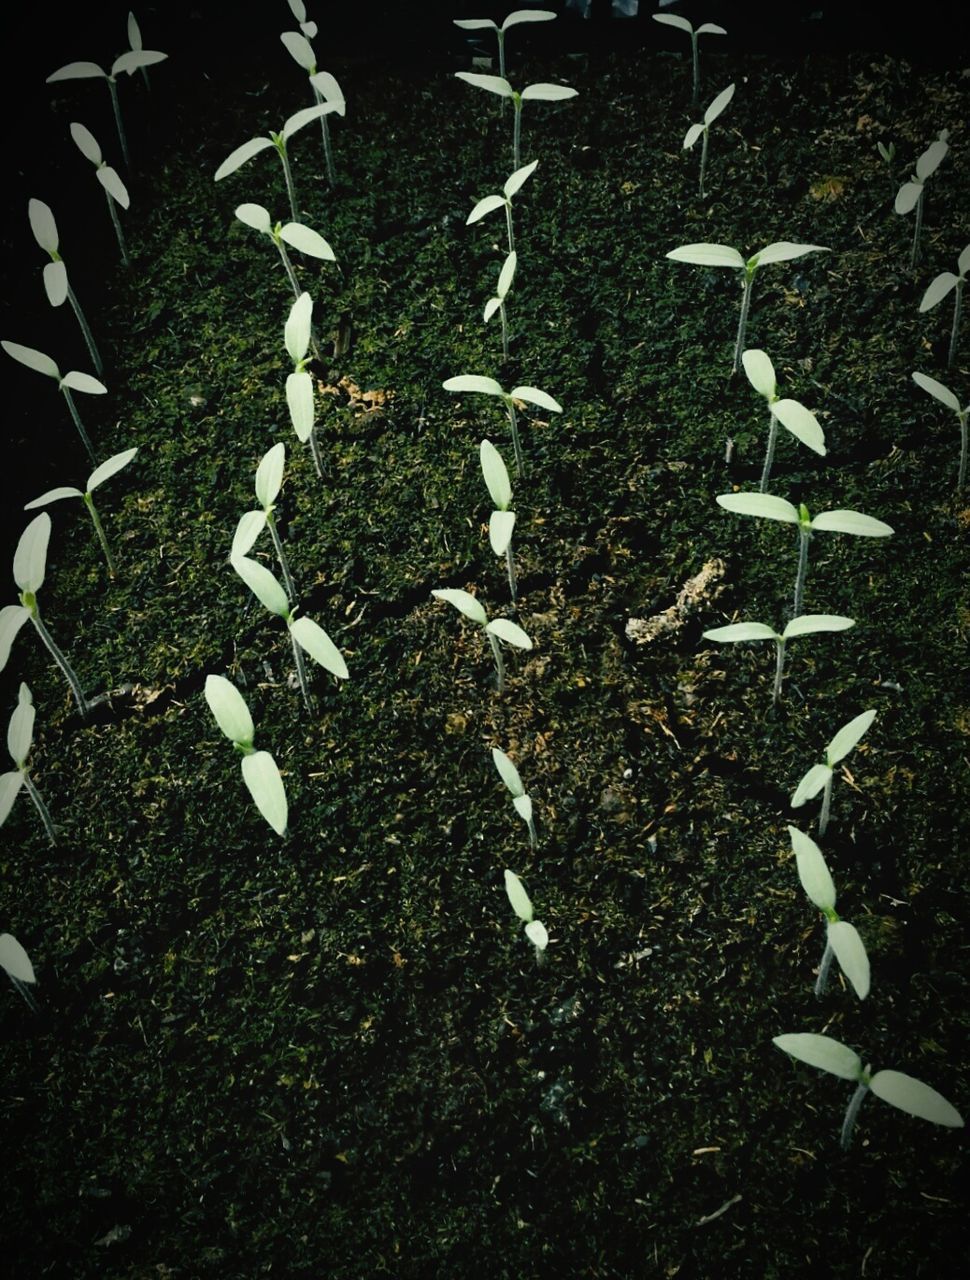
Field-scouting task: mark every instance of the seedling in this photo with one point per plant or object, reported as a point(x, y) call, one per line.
point(489, 387)
point(521, 904)
point(705, 29)
point(722, 255)
point(136, 45)
point(15, 961)
point(899, 1090)
point(794, 417)
point(115, 190)
point(29, 567)
point(937, 291)
point(72, 381)
point(245, 153)
point(325, 88)
point(259, 770)
point(488, 203)
point(298, 336)
point(522, 802)
point(771, 508)
point(505, 278)
point(20, 737)
point(531, 93)
point(496, 630)
point(513, 20)
point(502, 521)
point(807, 624)
point(841, 938)
point(305, 634)
point(298, 9)
point(702, 130)
point(292, 233)
point(945, 396)
point(888, 156)
point(56, 284)
point(910, 194)
point(127, 64)
point(97, 477)
point(819, 777)
point(269, 480)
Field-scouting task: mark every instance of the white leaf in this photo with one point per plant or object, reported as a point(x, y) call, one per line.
point(12, 618)
point(718, 105)
point(15, 960)
point(55, 283)
point(296, 331)
point(523, 807)
point(299, 400)
point(929, 161)
point(42, 224)
point(77, 71)
point(851, 522)
point(269, 475)
point(299, 119)
point(691, 136)
point(801, 422)
point(811, 784)
point(484, 206)
point(906, 197)
point(20, 731)
point(518, 898)
point(491, 307)
point(229, 709)
point(963, 262)
point(506, 771)
point(130, 61)
point(758, 504)
point(935, 389)
point(53, 495)
point(822, 1052)
point(812, 871)
point(74, 380)
point(307, 241)
point(473, 382)
point(848, 737)
point(263, 584)
point(328, 88)
point(299, 49)
point(809, 623)
point(785, 250)
point(463, 601)
point(10, 785)
point(474, 24)
point(134, 32)
point(674, 20)
point(500, 526)
point(527, 15)
point(298, 9)
point(241, 155)
point(741, 631)
point(32, 359)
point(510, 632)
point(251, 525)
point(494, 84)
point(707, 255)
point(535, 931)
point(915, 1098)
point(548, 93)
point(86, 143)
point(532, 395)
point(112, 183)
point(109, 468)
point(255, 216)
point(937, 290)
point(850, 952)
point(520, 176)
point(760, 371)
point(710, 29)
point(507, 274)
point(262, 777)
point(496, 475)
point(30, 558)
point(310, 636)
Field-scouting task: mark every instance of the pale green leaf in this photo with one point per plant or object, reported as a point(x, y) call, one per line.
point(811, 784)
point(12, 618)
point(474, 24)
point(463, 601)
point(963, 262)
point(133, 59)
point(42, 224)
point(77, 381)
point(241, 156)
point(737, 631)
point(134, 32)
point(710, 29)
point(251, 525)
point(299, 49)
point(930, 160)
point(718, 105)
point(850, 952)
point(299, 400)
point(112, 183)
point(307, 241)
point(915, 1098)
point(506, 771)
point(86, 143)
point(707, 255)
point(491, 307)
point(535, 931)
point(32, 359)
point(760, 371)
point(77, 71)
point(20, 731)
point(229, 709)
point(262, 778)
point(507, 274)
point(809, 623)
point(473, 382)
point(801, 422)
point(937, 290)
point(523, 807)
point(518, 898)
point(484, 206)
point(812, 871)
point(55, 283)
point(326, 85)
point(758, 504)
point(532, 395)
point(310, 636)
point(300, 119)
point(110, 468)
point(263, 584)
point(848, 737)
point(785, 250)
point(513, 184)
point(255, 216)
point(496, 475)
point(691, 136)
point(510, 632)
point(53, 495)
point(851, 522)
point(527, 15)
point(548, 93)
point(15, 960)
point(30, 558)
point(500, 526)
point(296, 331)
point(936, 389)
point(906, 197)
point(822, 1052)
point(494, 84)
point(269, 475)
point(10, 784)
point(674, 20)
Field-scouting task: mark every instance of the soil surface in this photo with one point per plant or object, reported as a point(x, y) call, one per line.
point(336, 1053)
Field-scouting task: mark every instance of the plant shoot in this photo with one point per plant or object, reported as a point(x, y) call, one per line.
point(520, 800)
point(497, 303)
point(945, 396)
point(127, 64)
point(910, 194)
point(794, 417)
point(72, 381)
point(115, 190)
point(937, 291)
point(504, 201)
point(245, 153)
point(841, 939)
point(521, 904)
point(807, 624)
point(531, 93)
point(702, 130)
point(97, 477)
point(489, 387)
point(502, 521)
point(496, 630)
point(705, 29)
point(513, 20)
point(56, 284)
point(259, 770)
point(20, 737)
point(819, 777)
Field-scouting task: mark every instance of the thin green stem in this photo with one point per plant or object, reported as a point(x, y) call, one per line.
point(41, 808)
point(499, 662)
point(508, 224)
point(822, 981)
point(769, 452)
point(955, 331)
point(61, 661)
point(511, 570)
point(315, 452)
point(86, 330)
point(517, 135)
point(26, 993)
point(325, 132)
point(533, 839)
point(289, 181)
point(505, 330)
point(779, 670)
point(823, 817)
point(519, 461)
point(804, 536)
point(116, 108)
point(301, 673)
point(117, 226)
point(743, 321)
point(696, 70)
point(917, 227)
point(851, 1114)
point(700, 185)
point(66, 391)
point(501, 56)
point(962, 473)
point(99, 530)
point(281, 557)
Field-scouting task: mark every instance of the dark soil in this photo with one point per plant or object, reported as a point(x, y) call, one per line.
point(335, 1053)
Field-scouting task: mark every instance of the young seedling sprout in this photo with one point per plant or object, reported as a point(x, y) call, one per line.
point(305, 634)
point(259, 770)
point(705, 29)
point(722, 255)
point(115, 190)
point(771, 508)
point(496, 630)
point(20, 737)
point(127, 64)
point(56, 284)
point(513, 20)
point(298, 336)
point(502, 521)
point(794, 417)
point(505, 278)
point(945, 396)
point(519, 900)
point(819, 777)
point(16, 963)
point(269, 480)
point(531, 93)
point(97, 477)
point(702, 130)
point(136, 45)
point(29, 567)
point(72, 381)
point(807, 624)
point(522, 802)
point(489, 387)
point(488, 203)
point(841, 938)
point(325, 88)
point(899, 1090)
point(910, 194)
point(888, 156)
point(937, 291)
point(242, 154)
point(295, 234)
point(298, 9)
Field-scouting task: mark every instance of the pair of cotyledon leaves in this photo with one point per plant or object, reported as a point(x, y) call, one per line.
point(41, 363)
point(769, 507)
point(496, 476)
point(511, 186)
point(502, 628)
point(710, 115)
point(512, 20)
point(531, 93)
point(722, 255)
point(521, 904)
point(792, 415)
point(846, 740)
point(296, 234)
point(297, 121)
point(510, 776)
point(942, 284)
point(909, 193)
point(20, 737)
point(259, 770)
point(505, 278)
point(841, 936)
